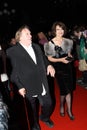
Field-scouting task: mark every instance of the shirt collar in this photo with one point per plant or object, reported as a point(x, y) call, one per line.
point(29, 47)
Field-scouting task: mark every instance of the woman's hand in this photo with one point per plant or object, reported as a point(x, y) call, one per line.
point(63, 60)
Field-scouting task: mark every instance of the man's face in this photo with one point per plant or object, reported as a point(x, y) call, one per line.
point(25, 37)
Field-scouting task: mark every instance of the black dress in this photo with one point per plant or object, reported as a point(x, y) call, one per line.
point(64, 73)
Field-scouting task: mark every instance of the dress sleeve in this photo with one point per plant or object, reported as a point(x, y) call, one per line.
point(70, 46)
point(49, 49)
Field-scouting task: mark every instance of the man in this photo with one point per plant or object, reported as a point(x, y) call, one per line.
point(29, 74)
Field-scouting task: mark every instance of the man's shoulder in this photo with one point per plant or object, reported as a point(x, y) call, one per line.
point(11, 50)
point(36, 45)
point(13, 47)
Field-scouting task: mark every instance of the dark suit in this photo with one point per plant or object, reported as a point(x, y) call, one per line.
point(27, 74)
point(4, 84)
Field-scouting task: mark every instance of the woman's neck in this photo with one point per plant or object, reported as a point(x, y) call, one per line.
point(58, 40)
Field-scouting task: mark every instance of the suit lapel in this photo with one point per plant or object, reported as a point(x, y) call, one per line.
point(25, 54)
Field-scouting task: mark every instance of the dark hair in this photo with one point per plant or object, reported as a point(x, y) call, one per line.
point(78, 29)
point(60, 24)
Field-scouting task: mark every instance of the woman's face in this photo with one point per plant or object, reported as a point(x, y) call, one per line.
point(59, 31)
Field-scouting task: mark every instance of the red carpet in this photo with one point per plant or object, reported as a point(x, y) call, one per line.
point(79, 108)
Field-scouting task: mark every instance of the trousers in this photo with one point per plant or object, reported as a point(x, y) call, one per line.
point(40, 105)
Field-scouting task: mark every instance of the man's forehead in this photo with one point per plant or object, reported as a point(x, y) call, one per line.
point(26, 30)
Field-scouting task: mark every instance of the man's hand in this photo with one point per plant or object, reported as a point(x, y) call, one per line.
point(22, 92)
point(51, 70)
point(4, 77)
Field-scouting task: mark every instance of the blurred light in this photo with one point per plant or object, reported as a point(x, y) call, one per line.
point(13, 11)
point(5, 11)
point(5, 4)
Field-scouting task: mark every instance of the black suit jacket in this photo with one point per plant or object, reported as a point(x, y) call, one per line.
point(25, 73)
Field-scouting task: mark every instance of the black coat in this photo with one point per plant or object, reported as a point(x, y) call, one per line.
point(2, 62)
point(25, 73)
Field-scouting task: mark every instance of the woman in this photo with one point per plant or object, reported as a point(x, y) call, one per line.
point(58, 50)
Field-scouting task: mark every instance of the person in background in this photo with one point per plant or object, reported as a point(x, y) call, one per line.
point(83, 55)
point(77, 33)
point(12, 42)
point(49, 35)
point(5, 91)
point(58, 51)
point(80, 39)
point(29, 72)
point(42, 39)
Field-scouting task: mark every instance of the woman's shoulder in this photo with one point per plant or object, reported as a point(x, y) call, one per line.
point(67, 39)
point(51, 41)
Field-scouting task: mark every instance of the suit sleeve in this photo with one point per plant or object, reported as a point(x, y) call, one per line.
point(14, 76)
point(46, 61)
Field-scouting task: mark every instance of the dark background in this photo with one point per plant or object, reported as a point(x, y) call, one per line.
point(40, 14)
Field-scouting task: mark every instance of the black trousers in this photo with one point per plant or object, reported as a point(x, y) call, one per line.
point(41, 105)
